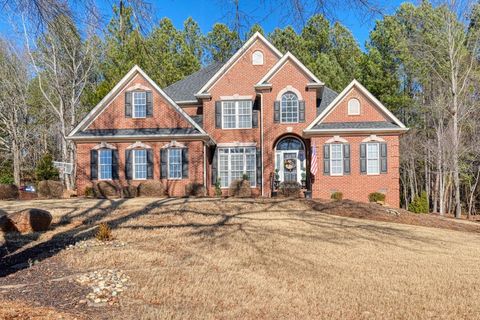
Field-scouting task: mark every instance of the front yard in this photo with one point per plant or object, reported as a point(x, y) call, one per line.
point(242, 259)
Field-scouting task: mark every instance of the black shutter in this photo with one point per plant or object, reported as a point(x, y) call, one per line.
point(115, 175)
point(163, 163)
point(93, 164)
point(301, 111)
point(149, 103)
point(259, 168)
point(214, 166)
point(128, 165)
point(149, 163)
point(218, 114)
point(276, 111)
point(128, 104)
point(326, 159)
point(255, 118)
point(363, 158)
point(346, 158)
point(184, 163)
point(383, 157)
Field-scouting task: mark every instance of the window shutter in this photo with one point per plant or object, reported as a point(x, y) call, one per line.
point(256, 111)
point(128, 165)
point(149, 163)
point(93, 164)
point(383, 157)
point(128, 104)
point(163, 163)
point(115, 175)
point(149, 103)
point(276, 111)
point(301, 111)
point(185, 163)
point(214, 166)
point(346, 158)
point(218, 114)
point(254, 118)
point(363, 158)
point(259, 167)
point(326, 159)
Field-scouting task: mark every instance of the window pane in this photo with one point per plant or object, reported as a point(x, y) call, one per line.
point(105, 163)
point(140, 164)
point(229, 114)
point(336, 159)
point(233, 163)
point(373, 163)
point(139, 104)
point(289, 107)
point(244, 114)
point(237, 114)
point(174, 163)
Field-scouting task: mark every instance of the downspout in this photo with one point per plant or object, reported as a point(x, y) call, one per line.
point(261, 141)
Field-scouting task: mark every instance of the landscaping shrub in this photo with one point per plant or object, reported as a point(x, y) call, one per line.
point(218, 188)
point(240, 189)
point(107, 189)
point(419, 203)
point(337, 196)
point(104, 233)
point(129, 191)
point(89, 192)
point(45, 169)
point(195, 189)
point(290, 189)
point(376, 197)
point(50, 189)
point(8, 191)
point(151, 188)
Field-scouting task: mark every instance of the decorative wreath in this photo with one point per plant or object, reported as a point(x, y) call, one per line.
point(290, 164)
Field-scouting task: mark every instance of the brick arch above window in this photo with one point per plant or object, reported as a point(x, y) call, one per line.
point(373, 138)
point(139, 145)
point(289, 88)
point(336, 139)
point(104, 145)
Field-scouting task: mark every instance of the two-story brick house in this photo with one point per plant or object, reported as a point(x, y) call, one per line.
point(262, 113)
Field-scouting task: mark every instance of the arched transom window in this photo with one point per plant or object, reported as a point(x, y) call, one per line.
point(257, 58)
point(289, 107)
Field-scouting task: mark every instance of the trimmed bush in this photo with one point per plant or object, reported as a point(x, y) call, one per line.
point(8, 192)
point(50, 189)
point(129, 191)
point(240, 189)
point(45, 169)
point(107, 189)
point(337, 196)
point(376, 197)
point(195, 189)
point(290, 189)
point(152, 188)
point(218, 188)
point(419, 203)
point(89, 192)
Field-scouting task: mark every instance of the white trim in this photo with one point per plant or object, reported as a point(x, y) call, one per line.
point(262, 57)
point(378, 130)
point(133, 104)
point(168, 164)
point(373, 138)
point(378, 160)
point(173, 144)
point(99, 172)
point(236, 97)
point(236, 144)
point(331, 159)
point(336, 139)
point(281, 63)
point(342, 95)
point(286, 89)
point(235, 57)
point(104, 145)
point(138, 144)
point(137, 86)
point(254, 185)
point(133, 165)
point(144, 137)
point(281, 110)
point(349, 110)
point(299, 170)
point(195, 103)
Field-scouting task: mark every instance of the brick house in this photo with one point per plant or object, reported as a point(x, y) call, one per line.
point(262, 113)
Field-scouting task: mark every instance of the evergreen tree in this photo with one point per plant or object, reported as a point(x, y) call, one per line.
point(45, 169)
point(222, 42)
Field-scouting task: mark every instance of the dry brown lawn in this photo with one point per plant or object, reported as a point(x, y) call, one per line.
point(266, 259)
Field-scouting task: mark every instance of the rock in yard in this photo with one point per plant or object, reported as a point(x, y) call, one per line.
point(27, 220)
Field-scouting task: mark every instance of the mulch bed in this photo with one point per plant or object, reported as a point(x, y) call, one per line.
point(373, 211)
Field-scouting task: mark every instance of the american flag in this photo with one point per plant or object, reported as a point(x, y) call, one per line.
point(314, 163)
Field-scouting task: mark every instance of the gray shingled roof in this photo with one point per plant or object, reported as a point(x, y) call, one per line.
point(135, 132)
point(185, 89)
point(357, 125)
point(328, 95)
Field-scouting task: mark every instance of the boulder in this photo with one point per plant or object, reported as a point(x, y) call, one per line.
point(27, 220)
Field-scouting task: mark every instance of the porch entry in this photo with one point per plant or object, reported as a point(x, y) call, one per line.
point(290, 164)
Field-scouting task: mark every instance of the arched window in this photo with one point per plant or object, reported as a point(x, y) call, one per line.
point(257, 58)
point(353, 107)
point(289, 107)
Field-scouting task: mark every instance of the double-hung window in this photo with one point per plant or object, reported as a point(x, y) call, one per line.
point(336, 159)
point(139, 104)
point(233, 163)
point(139, 164)
point(105, 164)
point(373, 158)
point(237, 114)
point(174, 163)
point(289, 108)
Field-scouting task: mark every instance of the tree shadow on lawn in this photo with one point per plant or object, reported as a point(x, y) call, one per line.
point(229, 218)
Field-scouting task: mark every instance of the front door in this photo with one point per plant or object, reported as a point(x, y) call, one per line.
point(290, 160)
point(290, 166)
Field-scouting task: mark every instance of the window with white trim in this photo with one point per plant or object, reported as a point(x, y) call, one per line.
point(373, 158)
point(353, 107)
point(139, 104)
point(139, 164)
point(174, 163)
point(289, 108)
point(257, 58)
point(336, 159)
point(105, 164)
point(237, 114)
point(233, 163)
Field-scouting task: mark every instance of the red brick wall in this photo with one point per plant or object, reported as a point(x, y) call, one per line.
point(368, 112)
point(174, 187)
point(356, 186)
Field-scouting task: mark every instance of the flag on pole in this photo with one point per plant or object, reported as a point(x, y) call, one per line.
point(314, 162)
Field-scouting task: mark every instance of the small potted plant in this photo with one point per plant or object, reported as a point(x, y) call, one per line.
point(304, 180)
point(276, 181)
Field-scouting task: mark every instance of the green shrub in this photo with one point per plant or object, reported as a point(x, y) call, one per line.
point(218, 188)
point(107, 189)
point(376, 197)
point(50, 189)
point(240, 189)
point(337, 196)
point(8, 192)
point(89, 192)
point(419, 203)
point(6, 179)
point(290, 189)
point(195, 189)
point(45, 169)
point(152, 188)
